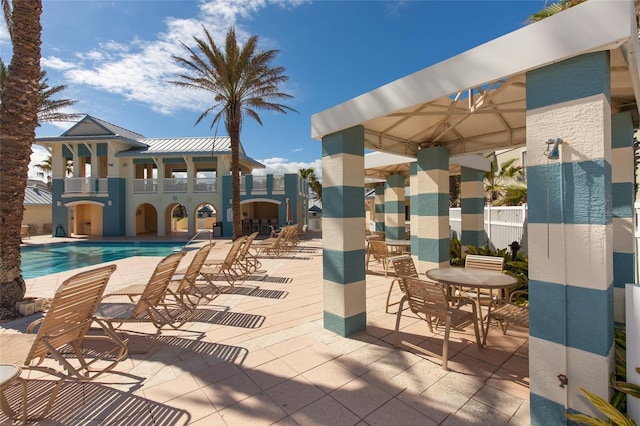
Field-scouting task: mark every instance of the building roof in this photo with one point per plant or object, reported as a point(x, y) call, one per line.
point(475, 102)
point(36, 195)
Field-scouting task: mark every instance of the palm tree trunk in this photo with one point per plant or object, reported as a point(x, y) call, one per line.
point(234, 134)
point(19, 119)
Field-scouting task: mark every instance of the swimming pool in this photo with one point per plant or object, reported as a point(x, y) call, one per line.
point(54, 258)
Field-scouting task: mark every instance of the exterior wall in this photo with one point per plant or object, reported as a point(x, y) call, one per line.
point(37, 215)
point(570, 236)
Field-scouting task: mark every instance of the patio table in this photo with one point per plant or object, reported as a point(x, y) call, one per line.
point(8, 374)
point(473, 278)
point(402, 245)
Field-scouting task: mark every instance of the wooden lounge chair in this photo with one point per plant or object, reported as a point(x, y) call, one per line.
point(246, 261)
point(226, 268)
point(152, 305)
point(182, 288)
point(63, 332)
point(271, 246)
point(508, 313)
point(430, 300)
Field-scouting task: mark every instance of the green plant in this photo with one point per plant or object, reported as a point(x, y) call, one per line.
point(616, 408)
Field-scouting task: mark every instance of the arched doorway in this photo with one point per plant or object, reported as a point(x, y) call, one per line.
point(146, 219)
point(206, 215)
point(176, 218)
point(85, 218)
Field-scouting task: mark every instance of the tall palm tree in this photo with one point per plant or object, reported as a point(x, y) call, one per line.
point(45, 168)
point(309, 175)
point(49, 109)
point(241, 81)
point(19, 103)
point(496, 179)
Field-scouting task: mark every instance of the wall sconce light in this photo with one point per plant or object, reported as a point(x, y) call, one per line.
point(59, 203)
point(553, 153)
point(110, 165)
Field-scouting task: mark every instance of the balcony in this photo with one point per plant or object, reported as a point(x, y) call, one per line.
point(145, 186)
point(86, 185)
point(204, 185)
point(175, 185)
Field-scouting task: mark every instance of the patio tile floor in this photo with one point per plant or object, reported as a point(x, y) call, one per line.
point(259, 355)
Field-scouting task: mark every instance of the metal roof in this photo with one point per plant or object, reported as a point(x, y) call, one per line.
point(100, 127)
point(173, 146)
point(475, 102)
point(36, 196)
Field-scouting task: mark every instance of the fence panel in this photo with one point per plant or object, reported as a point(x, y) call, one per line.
point(502, 225)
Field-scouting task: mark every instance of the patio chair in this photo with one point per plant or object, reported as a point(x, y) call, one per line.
point(226, 268)
point(63, 332)
point(508, 313)
point(380, 252)
point(404, 267)
point(430, 300)
point(24, 231)
point(246, 261)
point(182, 287)
point(271, 246)
point(152, 306)
point(481, 296)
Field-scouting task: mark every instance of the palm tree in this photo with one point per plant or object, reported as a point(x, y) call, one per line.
point(49, 109)
point(309, 175)
point(241, 81)
point(19, 103)
point(44, 169)
point(495, 179)
point(552, 9)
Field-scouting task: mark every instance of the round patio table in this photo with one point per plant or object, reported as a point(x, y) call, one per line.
point(473, 278)
point(9, 373)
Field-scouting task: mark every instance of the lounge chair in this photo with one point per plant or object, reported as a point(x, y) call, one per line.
point(62, 334)
point(430, 300)
point(246, 261)
point(271, 246)
point(152, 305)
point(380, 251)
point(226, 268)
point(182, 287)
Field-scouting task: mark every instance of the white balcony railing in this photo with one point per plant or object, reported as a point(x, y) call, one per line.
point(86, 185)
point(278, 184)
point(259, 185)
point(175, 185)
point(204, 185)
point(145, 186)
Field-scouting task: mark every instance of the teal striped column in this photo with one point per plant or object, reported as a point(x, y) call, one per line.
point(343, 239)
point(472, 207)
point(570, 236)
point(379, 208)
point(623, 178)
point(432, 208)
point(394, 202)
point(413, 216)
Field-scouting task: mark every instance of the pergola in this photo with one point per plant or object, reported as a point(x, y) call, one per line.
point(571, 78)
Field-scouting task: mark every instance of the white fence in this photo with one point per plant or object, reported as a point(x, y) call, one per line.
point(502, 225)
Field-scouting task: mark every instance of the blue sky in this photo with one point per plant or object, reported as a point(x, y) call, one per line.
point(115, 58)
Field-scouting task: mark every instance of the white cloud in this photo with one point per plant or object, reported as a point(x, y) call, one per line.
point(279, 165)
point(296, 150)
point(116, 68)
point(38, 156)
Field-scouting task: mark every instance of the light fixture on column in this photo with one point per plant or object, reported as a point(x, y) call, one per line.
point(553, 153)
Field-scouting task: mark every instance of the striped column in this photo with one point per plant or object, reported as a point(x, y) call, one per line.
point(342, 231)
point(394, 207)
point(472, 207)
point(413, 216)
point(432, 208)
point(623, 178)
point(379, 208)
point(570, 236)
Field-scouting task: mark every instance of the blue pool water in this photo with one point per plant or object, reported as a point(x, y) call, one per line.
point(54, 258)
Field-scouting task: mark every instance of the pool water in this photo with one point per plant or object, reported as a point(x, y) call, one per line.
point(54, 258)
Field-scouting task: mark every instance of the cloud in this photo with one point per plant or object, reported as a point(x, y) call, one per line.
point(279, 165)
point(296, 150)
point(115, 67)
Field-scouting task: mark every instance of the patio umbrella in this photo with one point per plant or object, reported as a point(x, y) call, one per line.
point(289, 214)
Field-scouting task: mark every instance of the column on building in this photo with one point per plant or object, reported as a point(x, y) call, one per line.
point(570, 236)
point(394, 202)
point(623, 178)
point(472, 207)
point(343, 238)
point(413, 217)
point(378, 208)
point(431, 209)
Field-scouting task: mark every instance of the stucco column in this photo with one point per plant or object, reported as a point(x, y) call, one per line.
point(343, 239)
point(379, 208)
point(394, 202)
point(623, 178)
point(472, 207)
point(431, 209)
point(570, 236)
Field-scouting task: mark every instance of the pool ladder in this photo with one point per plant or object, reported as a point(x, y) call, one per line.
point(177, 249)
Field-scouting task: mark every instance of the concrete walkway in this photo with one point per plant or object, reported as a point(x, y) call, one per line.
point(259, 355)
